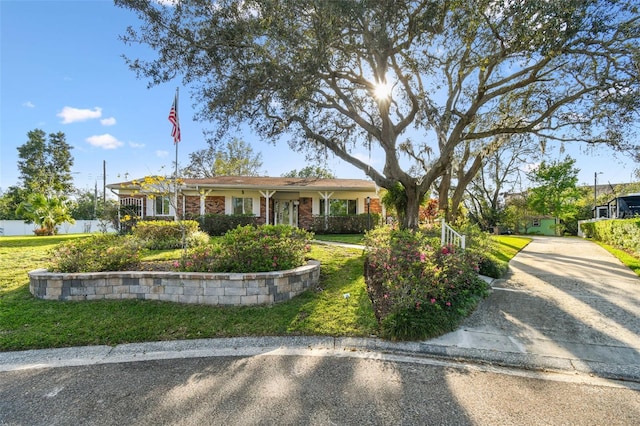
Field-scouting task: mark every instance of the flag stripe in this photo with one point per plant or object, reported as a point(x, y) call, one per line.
point(173, 118)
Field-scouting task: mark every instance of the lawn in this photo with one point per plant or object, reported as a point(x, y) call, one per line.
point(628, 259)
point(30, 323)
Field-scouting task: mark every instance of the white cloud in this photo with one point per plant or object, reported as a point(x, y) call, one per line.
point(105, 141)
point(28, 104)
point(108, 121)
point(136, 145)
point(162, 154)
point(72, 115)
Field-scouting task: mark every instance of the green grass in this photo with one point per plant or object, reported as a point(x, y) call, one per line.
point(633, 262)
point(509, 246)
point(30, 323)
point(341, 238)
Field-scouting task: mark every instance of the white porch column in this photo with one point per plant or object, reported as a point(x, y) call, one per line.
point(326, 196)
point(267, 196)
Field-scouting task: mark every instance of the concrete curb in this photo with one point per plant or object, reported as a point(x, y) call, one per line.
point(252, 346)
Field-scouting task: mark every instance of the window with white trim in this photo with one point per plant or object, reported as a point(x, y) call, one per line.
point(339, 207)
point(162, 205)
point(242, 205)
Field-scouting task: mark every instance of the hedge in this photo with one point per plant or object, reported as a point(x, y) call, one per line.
point(220, 224)
point(622, 233)
point(351, 224)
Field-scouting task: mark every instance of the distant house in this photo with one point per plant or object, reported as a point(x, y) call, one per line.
point(272, 200)
point(621, 207)
point(543, 225)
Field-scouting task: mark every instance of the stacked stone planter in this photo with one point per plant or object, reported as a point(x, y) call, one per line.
point(183, 287)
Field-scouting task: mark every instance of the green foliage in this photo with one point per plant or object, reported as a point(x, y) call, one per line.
point(46, 212)
point(310, 172)
point(89, 204)
point(251, 249)
point(220, 224)
point(490, 266)
point(418, 288)
point(164, 234)
point(9, 202)
point(45, 163)
point(347, 224)
point(308, 70)
point(395, 199)
point(555, 192)
point(483, 248)
point(104, 252)
point(234, 158)
point(622, 233)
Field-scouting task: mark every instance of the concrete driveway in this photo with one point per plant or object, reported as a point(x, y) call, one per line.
point(565, 304)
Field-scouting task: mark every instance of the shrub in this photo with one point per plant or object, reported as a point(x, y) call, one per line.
point(491, 266)
point(622, 233)
point(419, 289)
point(351, 224)
point(251, 249)
point(163, 234)
point(219, 224)
point(197, 239)
point(95, 254)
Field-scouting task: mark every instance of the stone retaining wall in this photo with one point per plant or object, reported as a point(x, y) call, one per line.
point(184, 287)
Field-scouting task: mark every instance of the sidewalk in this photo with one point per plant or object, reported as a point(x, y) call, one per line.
point(567, 305)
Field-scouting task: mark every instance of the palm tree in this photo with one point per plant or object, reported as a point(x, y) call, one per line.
point(45, 212)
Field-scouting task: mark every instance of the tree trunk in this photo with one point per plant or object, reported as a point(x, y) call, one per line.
point(443, 195)
point(411, 215)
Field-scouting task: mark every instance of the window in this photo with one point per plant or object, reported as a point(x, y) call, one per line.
point(536, 222)
point(339, 207)
point(162, 204)
point(242, 205)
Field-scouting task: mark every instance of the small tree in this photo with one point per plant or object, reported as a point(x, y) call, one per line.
point(45, 212)
point(236, 158)
point(555, 192)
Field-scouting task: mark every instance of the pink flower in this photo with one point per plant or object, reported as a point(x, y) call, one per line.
point(448, 303)
point(433, 301)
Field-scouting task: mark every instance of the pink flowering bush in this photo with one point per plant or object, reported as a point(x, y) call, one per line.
point(419, 289)
point(251, 249)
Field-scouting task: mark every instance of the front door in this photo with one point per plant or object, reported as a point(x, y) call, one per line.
point(286, 212)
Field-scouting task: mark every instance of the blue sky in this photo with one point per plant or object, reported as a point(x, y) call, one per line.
point(61, 70)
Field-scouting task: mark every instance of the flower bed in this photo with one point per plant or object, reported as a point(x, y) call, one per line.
point(183, 287)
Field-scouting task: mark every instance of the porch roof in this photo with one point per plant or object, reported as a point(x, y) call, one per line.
point(271, 183)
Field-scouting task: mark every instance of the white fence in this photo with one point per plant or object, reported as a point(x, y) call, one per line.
point(18, 227)
point(452, 238)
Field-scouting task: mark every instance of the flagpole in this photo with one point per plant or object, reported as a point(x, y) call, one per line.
point(174, 117)
point(175, 175)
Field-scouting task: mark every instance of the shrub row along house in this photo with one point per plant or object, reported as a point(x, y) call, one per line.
point(302, 202)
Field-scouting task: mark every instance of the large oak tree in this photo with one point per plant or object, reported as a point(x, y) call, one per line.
point(415, 81)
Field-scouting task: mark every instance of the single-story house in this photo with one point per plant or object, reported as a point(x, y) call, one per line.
point(273, 200)
point(542, 225)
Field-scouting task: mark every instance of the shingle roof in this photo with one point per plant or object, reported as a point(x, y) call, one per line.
point(275, 183)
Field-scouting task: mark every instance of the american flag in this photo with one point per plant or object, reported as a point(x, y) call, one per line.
point(173, 118)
